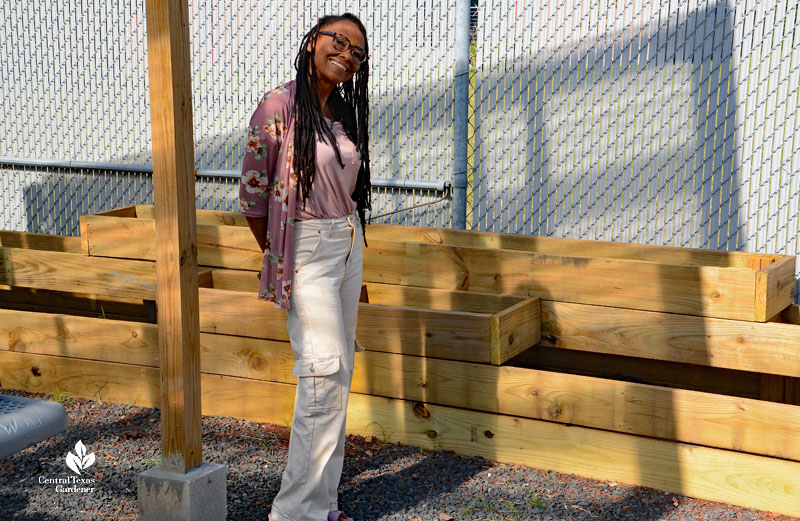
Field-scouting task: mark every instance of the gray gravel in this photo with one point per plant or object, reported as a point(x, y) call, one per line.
point(380, 481)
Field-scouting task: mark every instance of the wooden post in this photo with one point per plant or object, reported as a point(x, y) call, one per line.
point(176, 251)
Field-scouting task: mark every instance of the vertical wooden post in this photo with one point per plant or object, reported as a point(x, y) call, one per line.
point(176, 252)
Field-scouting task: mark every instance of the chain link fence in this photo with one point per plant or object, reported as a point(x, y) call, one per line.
point(672, 123)
point(74, 89)
point(669, 123)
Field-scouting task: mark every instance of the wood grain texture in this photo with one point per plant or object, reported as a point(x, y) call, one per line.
point(79, 337)
point(123, 238)
point(695, 417)
point(742, 479)
point(170, 89)
point(706, 419)
point(240, 314)
point(39, 241)
point(204, 217)
point(695, 282)
point(748, 346)
point(389, 294)
point(84, 236)
point(218, 246)
point(83, 304)
point(775, 288)
point(567, 247)
point(705, 291)
point(729, 477)
point(77, 273)
point(515, 329)
point(457, 335)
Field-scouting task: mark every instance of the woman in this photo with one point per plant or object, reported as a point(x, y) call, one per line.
point(304, 190)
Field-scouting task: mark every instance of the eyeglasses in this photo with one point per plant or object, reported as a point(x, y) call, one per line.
point(341, 43)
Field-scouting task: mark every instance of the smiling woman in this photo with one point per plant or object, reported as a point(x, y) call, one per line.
point(304, 191)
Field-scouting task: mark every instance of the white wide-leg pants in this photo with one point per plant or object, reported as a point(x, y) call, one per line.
point(322, 330)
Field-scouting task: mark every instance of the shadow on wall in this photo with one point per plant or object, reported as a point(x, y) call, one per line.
point(626, 134)
point(630, 137)
point(53, 200)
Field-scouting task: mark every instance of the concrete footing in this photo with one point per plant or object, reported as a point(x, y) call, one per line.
point(198, 495)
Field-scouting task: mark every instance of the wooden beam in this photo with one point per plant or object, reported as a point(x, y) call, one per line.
point(240, 314)
point(135, 239)
point(73, 272)
point(693, 290)
point(551, 245)
point(515, 329)
point(169, 61)
point(774, 288)
point(566, 247)
point(720, 475)
point(747, 346)
point(39, 241)
point(457, 335)
point(724, 287)
point(730, 477)
point(82, 304)
point(79, 337)
point(389, 294)
point(689, 416)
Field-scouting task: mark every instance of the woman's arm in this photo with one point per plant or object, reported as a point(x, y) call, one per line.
point(265, 134)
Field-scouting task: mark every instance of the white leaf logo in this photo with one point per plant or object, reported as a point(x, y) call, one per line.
point(82, 460)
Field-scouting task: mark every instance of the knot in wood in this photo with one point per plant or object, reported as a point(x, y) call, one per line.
point(489, 434)
point(432, 434)
point(258, 363)
point(421, 411)
point(35, 371)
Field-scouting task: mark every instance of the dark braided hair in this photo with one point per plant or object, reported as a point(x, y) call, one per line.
point(348, 101)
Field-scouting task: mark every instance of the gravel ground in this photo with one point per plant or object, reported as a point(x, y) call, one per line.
point(380, 481)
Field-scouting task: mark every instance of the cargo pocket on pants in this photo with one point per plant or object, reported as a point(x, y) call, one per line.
point(319, 378)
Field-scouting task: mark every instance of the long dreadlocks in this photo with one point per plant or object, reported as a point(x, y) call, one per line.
point(348, 101)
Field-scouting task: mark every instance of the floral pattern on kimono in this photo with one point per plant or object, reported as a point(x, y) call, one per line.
point(268, 188)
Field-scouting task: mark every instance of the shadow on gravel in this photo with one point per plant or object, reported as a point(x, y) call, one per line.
point(11, 505)
point(390, 492)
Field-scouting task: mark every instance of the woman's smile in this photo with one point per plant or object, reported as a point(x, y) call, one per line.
point(338, 65)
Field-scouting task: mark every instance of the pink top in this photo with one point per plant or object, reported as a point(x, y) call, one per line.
point(268, 186)
point(331, 193)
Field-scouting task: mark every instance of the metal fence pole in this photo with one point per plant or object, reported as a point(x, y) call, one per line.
point(461, 115)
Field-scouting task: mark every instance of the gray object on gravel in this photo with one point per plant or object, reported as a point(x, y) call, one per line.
point(25, 422)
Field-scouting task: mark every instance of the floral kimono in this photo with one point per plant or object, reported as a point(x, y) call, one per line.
point(269, 188)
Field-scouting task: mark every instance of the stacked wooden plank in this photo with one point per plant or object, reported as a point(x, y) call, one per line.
point(663, 367)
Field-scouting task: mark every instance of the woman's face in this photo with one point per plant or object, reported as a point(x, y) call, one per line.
point(337, 66)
